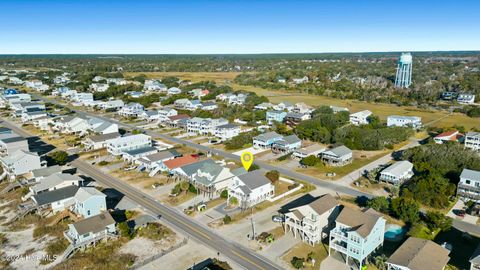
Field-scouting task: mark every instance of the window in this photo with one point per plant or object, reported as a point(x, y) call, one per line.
point(88, 212)
point(467, 182)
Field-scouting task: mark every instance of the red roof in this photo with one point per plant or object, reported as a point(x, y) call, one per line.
point(453, 135)
point(447, 133)
point(177, 117)
point(179, 162)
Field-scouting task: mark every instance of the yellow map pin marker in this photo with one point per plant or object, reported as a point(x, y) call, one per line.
point(247, 160)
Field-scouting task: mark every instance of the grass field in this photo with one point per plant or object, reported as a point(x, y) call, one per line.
point(435, 118)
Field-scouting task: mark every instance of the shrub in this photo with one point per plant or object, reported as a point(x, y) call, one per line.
point(310, 160)
point(103, 163)
point(273, 176)
point(224, 194)
point(297, 262)
point(59, 157)
point(227, 219)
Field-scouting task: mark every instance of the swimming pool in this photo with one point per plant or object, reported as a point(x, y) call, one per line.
point(394, 232)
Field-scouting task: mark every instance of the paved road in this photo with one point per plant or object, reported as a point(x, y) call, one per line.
point(327, 184)
point(239, 254)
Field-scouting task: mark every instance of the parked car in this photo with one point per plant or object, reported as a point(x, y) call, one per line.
point(277, 218)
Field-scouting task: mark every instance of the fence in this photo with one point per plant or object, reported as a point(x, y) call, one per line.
point(283, 195)
point(164, 252)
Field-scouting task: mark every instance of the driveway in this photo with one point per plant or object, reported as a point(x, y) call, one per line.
point(251, 150)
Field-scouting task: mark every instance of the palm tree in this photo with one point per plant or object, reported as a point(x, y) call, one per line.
point(184, 186)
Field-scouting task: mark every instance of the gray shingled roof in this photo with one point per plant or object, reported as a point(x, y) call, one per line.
point(139, 151)
point(160, 156)
point(360, 221)
point(341, 150)
point(253, 180)
point(420, 254)
point(208, 166)
point(48, 197)
point(94, 224)
point(42, 172)
point(54, 180)
point(398, 168)
point(267, 136)
point(104, 137)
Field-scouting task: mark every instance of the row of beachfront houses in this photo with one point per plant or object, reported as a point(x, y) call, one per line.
point(356, 234)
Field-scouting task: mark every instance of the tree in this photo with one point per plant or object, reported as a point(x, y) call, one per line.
point(125, 230)
point(253, 167)
point(233, 201)
point(273, 176)
point(227, 219)
point(184, 186)
point(405, 209)
point(310, 160)
point(297, 262)
point(224, 194)
point(380, 204)
point(437, 220)
point(59, 157)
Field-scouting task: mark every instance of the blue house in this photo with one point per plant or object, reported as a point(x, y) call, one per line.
point(277, 116)
point(89, 202)
point(266, 140)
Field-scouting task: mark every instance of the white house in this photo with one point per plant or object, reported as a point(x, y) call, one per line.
point(99, 87)
point(472, 141)
point(116, 81)
point(251, 189)
point(204, 126)
point(287, 144)
point(397, 173)
point(20, 162)
point(129, 142)
point(449, 136)
point(338, 156)
point(149, 116)
point(404, 121)
point(360, 118)
point(112, 104)
point(174, 91)
point(154, 86)
point(304, 79)
point(313, 221)
point(469, 185)
point(99, 141)
point(82, 98)
point(312, 150)
point(91, 229)
point(55, 181)
point(131, 110)
point(227, 131)
point(466, 99)
point(165, 112)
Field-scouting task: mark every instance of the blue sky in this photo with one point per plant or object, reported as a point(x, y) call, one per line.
point(241, 26)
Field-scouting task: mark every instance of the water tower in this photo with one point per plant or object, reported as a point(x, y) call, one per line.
point(403, 78)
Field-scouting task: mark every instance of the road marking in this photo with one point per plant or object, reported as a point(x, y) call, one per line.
point(246, 259)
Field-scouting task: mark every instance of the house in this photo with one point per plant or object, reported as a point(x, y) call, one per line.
point(128, 142)
point(165, 112)
point(449, 136)
point(286, 145)
point(98, 87)
point(61, 79)
point(72, 124)
point(466, 99)
point(475, 259)
point(293, 118)
point(284, 106)
point(88, 201)
point(82, 98)
point(360, 118)
point(112, 104)
point(302, 108)
point(29, 116)
point(338, 156)
point(251, 189)
point(90, 229)
point(419, 254)
point(182, 103)
point(16, 98)
point(404, 121)
point(98, 79)
point(134, 154)
point(281, 79)
point(57, 200)
point(266, 140)
point(99, 126)
point(304, 79)
point(397, 173)
point(357, 234)
point(207, 176)
point(39, 174)
point(171, 165)
point(116, 81)
point(55, 181)
point(263, 106)
point(469, 185)
point(449, 95)
point(337, 109)
point(155, 161)
point(131, 110)
point(208, 106)
point(174, 91)
point(177, 120)
point(198, 92)
point(135, 94)
point(154, 86)
point(312, 150)
point(472, 141)
point(33, 84)
point(43, 123)
point(275, 116)
point(193, 105)
point(313, 221)
point(149, 116)
point(99, 141)
point(227, 131)
point(20, 162)
point(204, 126)
point(11, 142)
point(60, 90)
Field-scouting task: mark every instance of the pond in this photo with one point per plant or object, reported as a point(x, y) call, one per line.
point(394, 232)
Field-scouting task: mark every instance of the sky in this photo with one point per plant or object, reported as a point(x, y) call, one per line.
point(242, 26)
